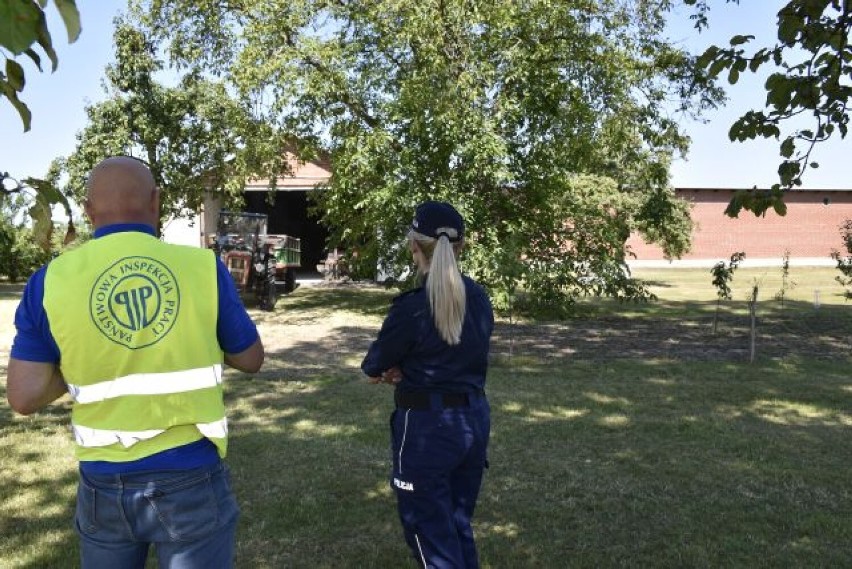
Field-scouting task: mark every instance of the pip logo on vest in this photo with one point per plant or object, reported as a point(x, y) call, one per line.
point(135, 302)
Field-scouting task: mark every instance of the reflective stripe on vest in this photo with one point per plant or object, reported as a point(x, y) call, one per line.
point(148, 384)
point(88, 437)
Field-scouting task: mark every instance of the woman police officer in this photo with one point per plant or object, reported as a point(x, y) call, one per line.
point(433, 346)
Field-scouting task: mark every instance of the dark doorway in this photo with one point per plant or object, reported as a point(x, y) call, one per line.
point(288, 214)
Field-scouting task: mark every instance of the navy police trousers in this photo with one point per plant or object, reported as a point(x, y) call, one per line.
point(439, 456)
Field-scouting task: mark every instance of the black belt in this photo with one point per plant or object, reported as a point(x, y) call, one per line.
point(426, 401)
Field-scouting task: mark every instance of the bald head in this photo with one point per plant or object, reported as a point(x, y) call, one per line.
point(122, 190)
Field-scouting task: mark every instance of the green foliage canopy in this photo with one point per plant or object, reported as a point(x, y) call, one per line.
point(545, 123)
point(22, 25)
point(191, 135)
point(812, 82)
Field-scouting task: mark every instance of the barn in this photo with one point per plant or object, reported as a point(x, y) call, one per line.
point(287, 209)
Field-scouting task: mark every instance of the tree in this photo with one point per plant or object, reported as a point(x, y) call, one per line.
point(21, 252)
point(813, 61)
point(39, 197)
point(844, 263)
point(786, 282)
point(543, 122)
point(192, 135)
point(22, 25)
point(722, 275)
point(18, 255)
point(752, 311)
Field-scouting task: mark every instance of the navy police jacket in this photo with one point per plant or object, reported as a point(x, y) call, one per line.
point(409, 340)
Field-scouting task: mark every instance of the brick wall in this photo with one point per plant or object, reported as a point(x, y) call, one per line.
point(809, 230)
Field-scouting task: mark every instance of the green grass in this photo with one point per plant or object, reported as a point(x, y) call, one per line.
point(595, 461)
point(685, 292)
point(690, 285)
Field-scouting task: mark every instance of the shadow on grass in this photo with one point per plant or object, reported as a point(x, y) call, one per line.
point(37, 489)
point(617, 441)
point(635, 463)
point(623, 463)
point(665, 464)
point(684, 332)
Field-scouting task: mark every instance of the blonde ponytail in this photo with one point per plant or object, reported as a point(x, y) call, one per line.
point(444, 283)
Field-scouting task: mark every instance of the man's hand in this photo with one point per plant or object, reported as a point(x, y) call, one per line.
point(391, 376)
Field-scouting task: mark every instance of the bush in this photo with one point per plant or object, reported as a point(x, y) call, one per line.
point(844, 264)
point(20, 256)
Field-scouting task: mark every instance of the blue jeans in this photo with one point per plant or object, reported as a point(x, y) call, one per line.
point(439, 457)
point(190, 516)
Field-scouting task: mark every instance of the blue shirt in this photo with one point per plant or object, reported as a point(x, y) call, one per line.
point(34, 342)
point(409, 340)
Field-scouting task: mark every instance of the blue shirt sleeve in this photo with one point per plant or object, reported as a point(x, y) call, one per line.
point(234, 329)
point(33, 341)
point(395, 339)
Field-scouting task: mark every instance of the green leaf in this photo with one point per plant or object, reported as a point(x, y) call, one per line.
point(779, 206)
point(12, 95)
point(734, 208)
point(48, 191)
point(15, 75)
point(787, 147)
point(788, 26)
point(788, 172)
point(34, 56)
point(707, 57)
point(19, 24)
point(733, 75)
point(717, 66)
point(44, 40)
point(71, 17)
point(42, 222)
point(740, 39)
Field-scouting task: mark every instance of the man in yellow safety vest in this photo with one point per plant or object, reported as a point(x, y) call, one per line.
point(137, 332)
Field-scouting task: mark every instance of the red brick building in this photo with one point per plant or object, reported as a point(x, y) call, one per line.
point(810, 231)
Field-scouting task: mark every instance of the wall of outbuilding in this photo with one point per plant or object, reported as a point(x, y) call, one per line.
point(810, 230)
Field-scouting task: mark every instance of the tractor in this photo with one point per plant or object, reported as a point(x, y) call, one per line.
point(260, 263)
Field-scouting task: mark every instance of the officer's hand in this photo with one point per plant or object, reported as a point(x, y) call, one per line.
point(391, 376)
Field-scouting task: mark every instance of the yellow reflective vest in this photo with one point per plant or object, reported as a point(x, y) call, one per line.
point(135, 322)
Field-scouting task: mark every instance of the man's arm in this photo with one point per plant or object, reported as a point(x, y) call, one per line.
point(31, 386)
point(249, 360)
point(235, 330)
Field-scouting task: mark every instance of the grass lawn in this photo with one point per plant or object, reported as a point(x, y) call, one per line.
point(612, 445)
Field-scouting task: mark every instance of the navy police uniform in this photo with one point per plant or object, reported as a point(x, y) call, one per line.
point(441, 423)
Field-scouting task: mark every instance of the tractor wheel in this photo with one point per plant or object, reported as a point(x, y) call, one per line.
point(265, 290)
point(270, 289)
point(289, 280)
